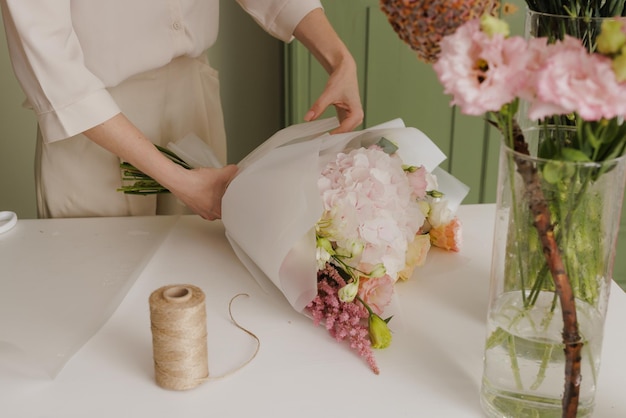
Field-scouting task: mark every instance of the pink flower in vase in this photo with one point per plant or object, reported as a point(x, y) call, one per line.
point(572, 80)
point(482, 72)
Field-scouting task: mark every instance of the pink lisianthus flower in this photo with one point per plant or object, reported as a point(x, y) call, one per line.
point(481, 72)
point(447, 236)
point(376, 292)
point(573, 81)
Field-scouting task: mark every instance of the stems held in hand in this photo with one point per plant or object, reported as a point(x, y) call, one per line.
point(142, 183)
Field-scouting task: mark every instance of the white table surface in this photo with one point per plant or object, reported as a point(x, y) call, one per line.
point(432, 369)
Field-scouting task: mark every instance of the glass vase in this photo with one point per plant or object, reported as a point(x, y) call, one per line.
point(555, 27)
point(524, 360)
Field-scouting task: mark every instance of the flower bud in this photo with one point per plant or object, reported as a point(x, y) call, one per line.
point(348, 292)
point(611, 38)
point(380, 335)
point(325, 244)
point(492, 25)
point(379, 270)
point(619, 66)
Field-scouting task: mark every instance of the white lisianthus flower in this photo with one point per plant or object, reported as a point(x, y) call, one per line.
point(440, 213)
point(349, 292)
point(323, 252)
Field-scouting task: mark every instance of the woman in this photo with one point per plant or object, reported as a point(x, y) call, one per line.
point(107, 79)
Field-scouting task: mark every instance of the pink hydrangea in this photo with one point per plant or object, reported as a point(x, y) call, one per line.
point(369, 205)
point(482, 72)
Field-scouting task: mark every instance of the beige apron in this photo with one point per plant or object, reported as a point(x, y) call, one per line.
point(77, 178)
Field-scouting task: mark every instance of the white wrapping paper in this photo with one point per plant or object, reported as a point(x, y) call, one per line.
point(271, 207)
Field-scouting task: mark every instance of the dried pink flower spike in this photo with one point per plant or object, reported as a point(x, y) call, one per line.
point(423, 23)
point(343, 320)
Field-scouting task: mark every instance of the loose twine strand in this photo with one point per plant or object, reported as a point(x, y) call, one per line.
point(179, 337)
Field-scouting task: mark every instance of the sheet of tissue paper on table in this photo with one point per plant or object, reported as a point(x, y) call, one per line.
point(59, 283)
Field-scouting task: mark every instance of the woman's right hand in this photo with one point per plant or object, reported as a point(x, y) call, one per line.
point(202, 189)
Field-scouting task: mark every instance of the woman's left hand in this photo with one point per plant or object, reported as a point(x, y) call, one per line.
point(342, 92)
point(342, 89)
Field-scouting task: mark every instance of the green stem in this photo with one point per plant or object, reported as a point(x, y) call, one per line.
point(514, 363)
point(545, 359)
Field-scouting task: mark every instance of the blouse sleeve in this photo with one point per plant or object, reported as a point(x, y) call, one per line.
point(279, 17)
point(49, 64)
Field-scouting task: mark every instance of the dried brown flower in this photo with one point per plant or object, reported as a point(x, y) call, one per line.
point(423, 23)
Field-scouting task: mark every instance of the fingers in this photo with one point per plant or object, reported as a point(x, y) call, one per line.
point(342, 92)
point(348, 120)
point(203, 190)
point(349, 116)
point(226, 175)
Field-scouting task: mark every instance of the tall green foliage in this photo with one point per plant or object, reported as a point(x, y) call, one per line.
point(590, 8)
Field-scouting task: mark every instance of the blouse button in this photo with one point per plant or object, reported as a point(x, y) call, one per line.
point(177, 26)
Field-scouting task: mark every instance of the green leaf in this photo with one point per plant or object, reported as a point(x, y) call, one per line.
point(387, 146)
point(556, 170)
point(571, 154)
point(591, 137)
point(547, 149)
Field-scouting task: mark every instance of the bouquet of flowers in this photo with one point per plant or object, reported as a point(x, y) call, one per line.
point(380, 218)
point(342, 218)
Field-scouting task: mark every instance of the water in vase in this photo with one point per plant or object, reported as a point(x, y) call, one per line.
point(524, 365)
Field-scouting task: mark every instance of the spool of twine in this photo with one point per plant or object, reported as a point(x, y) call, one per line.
point(179, 336)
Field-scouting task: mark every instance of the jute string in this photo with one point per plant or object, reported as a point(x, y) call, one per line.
point(179, 337)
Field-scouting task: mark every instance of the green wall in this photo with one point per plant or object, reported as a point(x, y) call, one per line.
point(17, 143)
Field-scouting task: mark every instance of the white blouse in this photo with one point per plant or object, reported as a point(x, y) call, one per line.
point(65, 53)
